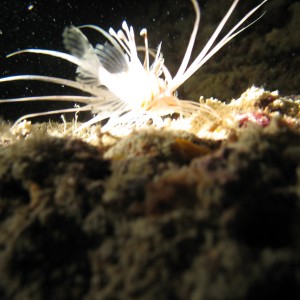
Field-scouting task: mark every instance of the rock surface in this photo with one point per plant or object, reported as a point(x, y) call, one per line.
point(162, 214)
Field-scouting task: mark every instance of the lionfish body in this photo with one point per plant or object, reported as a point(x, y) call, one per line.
point(123, 90)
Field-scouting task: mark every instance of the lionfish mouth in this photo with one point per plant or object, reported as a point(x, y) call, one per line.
point(124, 90)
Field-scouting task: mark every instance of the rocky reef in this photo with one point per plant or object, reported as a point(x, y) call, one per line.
point(211, 212)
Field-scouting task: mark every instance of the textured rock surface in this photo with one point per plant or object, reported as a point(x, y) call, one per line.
point(157, 214)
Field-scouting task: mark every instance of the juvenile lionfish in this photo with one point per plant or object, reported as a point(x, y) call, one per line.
point(123, 90)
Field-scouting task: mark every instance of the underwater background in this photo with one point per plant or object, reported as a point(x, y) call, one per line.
point(266, 54)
